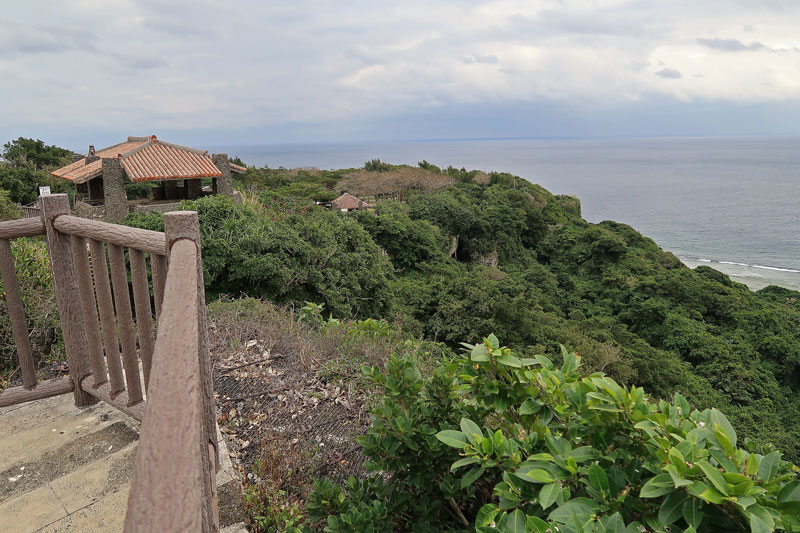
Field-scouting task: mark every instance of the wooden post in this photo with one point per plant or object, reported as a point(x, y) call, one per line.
point(59, 246)
point(16, 312)
point(185, 225)
point(89, 306)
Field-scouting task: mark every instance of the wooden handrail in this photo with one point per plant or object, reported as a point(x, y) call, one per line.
point(140, 239)
point(23, 227)
point(173, 482)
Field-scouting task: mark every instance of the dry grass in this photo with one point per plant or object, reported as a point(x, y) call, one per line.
point(394, 183)
point(292, 400)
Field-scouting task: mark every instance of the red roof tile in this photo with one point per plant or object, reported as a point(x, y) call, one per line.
point(146, 159)
point(238, 168)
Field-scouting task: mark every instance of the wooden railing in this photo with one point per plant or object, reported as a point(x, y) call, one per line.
point(173, 486)
point(31, 212)
point(31, 388)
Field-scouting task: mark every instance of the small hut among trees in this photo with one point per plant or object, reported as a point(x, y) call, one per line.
point(347, 202)
point(101, 177)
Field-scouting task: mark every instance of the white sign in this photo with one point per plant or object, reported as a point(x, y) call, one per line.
point(44, 191)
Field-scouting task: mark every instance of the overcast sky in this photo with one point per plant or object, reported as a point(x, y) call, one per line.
point(226, 72)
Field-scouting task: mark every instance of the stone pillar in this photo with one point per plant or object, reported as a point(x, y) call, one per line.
point(225, 182)
point(114, 190)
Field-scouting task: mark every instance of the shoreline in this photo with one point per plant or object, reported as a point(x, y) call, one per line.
point(756, 277)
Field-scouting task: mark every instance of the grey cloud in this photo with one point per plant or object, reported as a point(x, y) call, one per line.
point(669, 73)
point(178, 29)
point(51, 39)
point(138, 62)
point(729, 45)
point(490, 59)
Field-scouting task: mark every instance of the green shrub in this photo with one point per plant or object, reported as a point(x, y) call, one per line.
point(8, 209)
point(494, 441)
point(38, 297)
point(376, 165)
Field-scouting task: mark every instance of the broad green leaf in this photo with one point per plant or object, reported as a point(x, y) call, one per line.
point(659, 485)
point(549, 494)
point(692, 513)
point(758, 526)
point(570, 363)
point(681, 402)
point(751, 464)
point(452, 438)
point(515, 523)
point(697, 488)
point(672, 508)
point(538, 525)
point(712, 495)
point(718, 418)
point(714, 475)
point(472, 431)
point(487, 445)
point(486, 514)
point(509, 360)
point(677, 479)
point(463, 462)
point(762, 514)
point(769, 466)
point(471, 476)
point(582, 454)
point(612, 524)
point(579, 507)
point(479, 354)
point(529, 407)
point(790, 492)
point(493, 342)
point(534, 475)
point(598, 479)
point(724, 440)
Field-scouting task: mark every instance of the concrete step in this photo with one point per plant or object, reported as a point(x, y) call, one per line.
point(68, 469)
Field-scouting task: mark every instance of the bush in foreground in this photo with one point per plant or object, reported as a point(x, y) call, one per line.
point(496, 442)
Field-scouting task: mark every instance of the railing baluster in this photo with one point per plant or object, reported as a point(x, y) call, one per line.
point(16, 312)
point(158, 264)
point(106, 306)
point(83, 275)
point(127, 337)
point(144, 316)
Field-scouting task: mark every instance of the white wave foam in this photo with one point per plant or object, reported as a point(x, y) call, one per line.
point(735, 263)
point(779, 269)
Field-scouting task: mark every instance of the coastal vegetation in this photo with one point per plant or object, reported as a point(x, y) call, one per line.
point(531, 369)
point(455, 258)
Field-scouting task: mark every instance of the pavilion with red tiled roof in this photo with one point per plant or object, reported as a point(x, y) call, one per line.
point(100, 177)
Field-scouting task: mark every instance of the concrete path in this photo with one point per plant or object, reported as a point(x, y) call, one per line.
point(68, 469)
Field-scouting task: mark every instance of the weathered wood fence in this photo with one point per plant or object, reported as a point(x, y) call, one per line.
point(163, 381)
point(31, 211)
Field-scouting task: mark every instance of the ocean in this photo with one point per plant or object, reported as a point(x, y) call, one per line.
point(731, 203)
